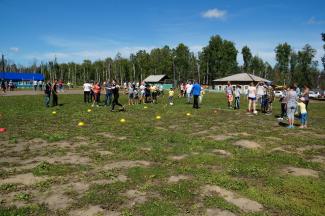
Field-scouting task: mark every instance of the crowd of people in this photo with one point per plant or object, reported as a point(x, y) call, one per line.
point(7, 85)
point(293, 101)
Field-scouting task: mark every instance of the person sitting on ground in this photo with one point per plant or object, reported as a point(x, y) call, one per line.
point(303, 112)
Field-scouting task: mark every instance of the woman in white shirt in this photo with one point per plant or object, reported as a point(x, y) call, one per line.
point(252, 98)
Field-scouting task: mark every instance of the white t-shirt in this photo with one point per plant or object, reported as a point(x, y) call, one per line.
point(142, 87)
point(189, 88)
point(87, 87)
point(261, 90)
point(34, 82)
point(252, 92)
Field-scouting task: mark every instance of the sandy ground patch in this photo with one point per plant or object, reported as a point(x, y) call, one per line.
point(10, 199)
point(310, 147)
point(93, 211)
point(274, 138)
point(146, 149)
point(280, 149)
point(200, 132)
point(218, 212)
point(318, 159)
point(240, 134)
point(247, 144)
point(219, 137)
point(161, 128)
point(126, 164)
point(175, 179)
point(104, 152)
point(221, 152)
point(119, 178)
point(111, 136)
point(178, 157)
point(26, 179)
point(244, 204)
point(135, 197)
point(71, 158)
point(295, 171)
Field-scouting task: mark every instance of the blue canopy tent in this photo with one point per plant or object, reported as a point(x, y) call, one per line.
point(21, 80)
point(16, 77)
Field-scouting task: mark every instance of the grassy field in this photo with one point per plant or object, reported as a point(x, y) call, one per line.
point(213, 162)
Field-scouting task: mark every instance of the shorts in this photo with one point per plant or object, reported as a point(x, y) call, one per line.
point(230, 97)
point(252, 98)
point(131, 96)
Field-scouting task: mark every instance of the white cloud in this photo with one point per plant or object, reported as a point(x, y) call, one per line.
point(214, 14)
point(14, 49)
point(314, 21)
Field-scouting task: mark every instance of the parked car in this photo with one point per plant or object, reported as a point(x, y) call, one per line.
point(314, 94)
point(278, 93)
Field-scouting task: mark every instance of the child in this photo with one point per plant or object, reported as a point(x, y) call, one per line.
point(303, 112)
point(283, 105)
point(136, 96)
point(237, 97)
point(171, 96)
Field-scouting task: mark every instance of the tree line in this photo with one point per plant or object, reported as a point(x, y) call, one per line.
point(217, 59)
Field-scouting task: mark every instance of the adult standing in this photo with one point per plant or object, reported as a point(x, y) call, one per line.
point(196, 91)
point(35, 85)
point(260, 92)
point(40, 85)
point(115, 91)
point(229, 94)
point(305, 94)
point(270, 98)
point(189, 87)
point(87, 89)
point(291, 105)
point(55, 93)
point(47, 93)
point(131, 94)
point(96, 90)
point(3, 86)
point(252, 98)
point(237, 97)
point(108, 93)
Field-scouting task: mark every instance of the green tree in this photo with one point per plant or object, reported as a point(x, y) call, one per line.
point(247, 57)
point(282, 52)
point(182, 57)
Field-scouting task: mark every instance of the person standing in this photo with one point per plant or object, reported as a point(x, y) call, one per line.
point(229, 94)
point(252, 98)
point(40, 85)
point(3, 86)
point(96, 90)
point(171, 96)
point(188, 88)
point(131, 94)
point(237, 97)
point(87, 89)
point(55, 93)
point(108, 93)
point(270, 98)
point(303, 112)
point(305, 94)
point(47, 93)
point(115, 91)
point(196, 92)
point(35, 85)
point(291, 105)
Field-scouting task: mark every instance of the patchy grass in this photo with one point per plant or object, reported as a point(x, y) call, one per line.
point(143, 153)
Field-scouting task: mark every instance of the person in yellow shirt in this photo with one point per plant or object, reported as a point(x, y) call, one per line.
point(171, 96)
point(303, 112)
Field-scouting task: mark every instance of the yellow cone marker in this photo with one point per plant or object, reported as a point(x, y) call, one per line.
point(158, 117)
point(122, 120)
point(89, 110)
point(188, 114)
point(81, 124)
point(53, 112)
point(145, 107)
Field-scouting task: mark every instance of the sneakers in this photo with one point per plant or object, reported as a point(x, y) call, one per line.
point(291, 126)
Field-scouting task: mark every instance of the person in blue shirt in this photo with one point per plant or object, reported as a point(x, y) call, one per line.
point(196, 91)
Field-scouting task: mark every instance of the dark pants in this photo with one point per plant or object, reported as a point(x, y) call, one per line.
point(54, 99)
point(237, 102)
point(87, 98)
point(115, 102)
point(108, 99)
point(196, 101)
point(47, 100)
point(283, 110)
point(307, 102)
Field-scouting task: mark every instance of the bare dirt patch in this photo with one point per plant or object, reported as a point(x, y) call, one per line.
point(178, 157)
point(244, 204)
point(161, 128)
point(295, 171)
point(111, 136)
point(201, 132)
point(93, 211)
point(119, 178)
point(10, 199)
point(135, 197)
point(219, 212)
point(310, 147)
point(175, 179)
point(280, 149)
point(240, 134)
point(274, 138)
point(247, 144)
point(221, 152)
point(219, 137)
point(126, 164)
point(72, 158)
point(105, 153)
point(318, 159)
point(26, 179)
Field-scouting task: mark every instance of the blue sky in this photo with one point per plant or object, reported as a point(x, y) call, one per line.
point(73, 30)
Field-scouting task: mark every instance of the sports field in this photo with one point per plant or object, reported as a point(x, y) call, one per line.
point(211, 161)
